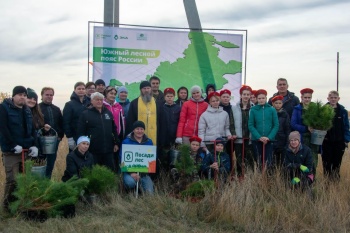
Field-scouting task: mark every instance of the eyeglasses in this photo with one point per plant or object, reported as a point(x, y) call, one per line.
point(91, 89)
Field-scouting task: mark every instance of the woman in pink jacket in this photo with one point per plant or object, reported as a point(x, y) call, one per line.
point(189, 117)
point(116, 109)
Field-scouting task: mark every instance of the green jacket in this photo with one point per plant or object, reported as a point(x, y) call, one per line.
point(263, 122)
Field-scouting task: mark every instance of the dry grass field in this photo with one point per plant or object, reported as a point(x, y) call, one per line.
point(255, 205)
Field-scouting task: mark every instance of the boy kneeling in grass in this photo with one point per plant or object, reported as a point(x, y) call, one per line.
point(217, 162)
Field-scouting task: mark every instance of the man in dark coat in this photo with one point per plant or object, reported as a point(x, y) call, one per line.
point(156, 93)
point(71, 113)
point(289, 99)
point(53, 117)
point(16, 133)
point(98, 124)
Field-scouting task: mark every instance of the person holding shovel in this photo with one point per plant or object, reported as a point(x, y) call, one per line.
point(217, 164)
point(138, 137)
point(263, 125)
point(16, 133)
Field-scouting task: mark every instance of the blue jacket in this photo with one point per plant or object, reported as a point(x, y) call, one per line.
point(263, 122)
point(297, 120)
point(223, 160)
point(16, 126)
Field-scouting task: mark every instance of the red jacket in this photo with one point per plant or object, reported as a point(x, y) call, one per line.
point(189, 117)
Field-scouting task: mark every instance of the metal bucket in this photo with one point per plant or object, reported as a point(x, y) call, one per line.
point(39, 170)
point(48, 144)
point(317, 136)
point(173, 156)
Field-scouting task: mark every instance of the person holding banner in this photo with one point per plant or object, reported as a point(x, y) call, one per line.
point(137, 137)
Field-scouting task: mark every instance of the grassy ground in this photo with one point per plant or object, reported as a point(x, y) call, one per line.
point(257, 204)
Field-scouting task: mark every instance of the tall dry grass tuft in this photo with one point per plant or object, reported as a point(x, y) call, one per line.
point(261, 204)
point(257, 204)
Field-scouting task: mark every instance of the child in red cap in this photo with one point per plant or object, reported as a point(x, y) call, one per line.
point(242, 134)
point(283, 130)
point(263, 125)
point(169, 115)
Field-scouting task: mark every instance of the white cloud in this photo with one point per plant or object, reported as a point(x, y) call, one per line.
point(44, 43)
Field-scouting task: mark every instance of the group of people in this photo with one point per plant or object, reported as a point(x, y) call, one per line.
point(99, 119)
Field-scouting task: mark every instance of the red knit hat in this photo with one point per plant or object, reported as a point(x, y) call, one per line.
point(253, 92)
point(277, 97)
point(245, 88)
point(225, 91)
point(213, 94)
point(260, 91)
point(306, 90)
point(195, 138)
point(169, 90)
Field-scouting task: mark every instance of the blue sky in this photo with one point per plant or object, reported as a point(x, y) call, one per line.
point(44, 43)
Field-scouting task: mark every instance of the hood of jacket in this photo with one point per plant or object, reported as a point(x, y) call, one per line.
point(132, 138)
point(209, 86)
point(258, 106)
point(75, 97)
point(214, 110)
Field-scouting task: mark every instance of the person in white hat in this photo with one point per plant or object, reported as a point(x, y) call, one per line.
point(79, 158)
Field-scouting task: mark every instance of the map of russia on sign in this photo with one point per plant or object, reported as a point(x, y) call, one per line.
point(128, 56)
point(138, 158)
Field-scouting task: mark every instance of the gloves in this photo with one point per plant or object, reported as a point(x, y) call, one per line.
point(295, 180)
point(178, 140)
point(71, 143)
point(17, 149)
point(304, 168)
point(33, 151)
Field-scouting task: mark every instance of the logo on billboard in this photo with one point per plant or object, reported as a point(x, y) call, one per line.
point(102, 36)
point(116, 37)
point(141, 36)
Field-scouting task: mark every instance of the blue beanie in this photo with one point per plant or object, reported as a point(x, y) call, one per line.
point(83, 139)
point(122, 89)
point(220, 141)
